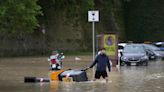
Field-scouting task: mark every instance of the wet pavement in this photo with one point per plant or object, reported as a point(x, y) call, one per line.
point(128, 79)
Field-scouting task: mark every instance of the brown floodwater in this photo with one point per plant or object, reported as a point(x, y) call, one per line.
point(126, 79)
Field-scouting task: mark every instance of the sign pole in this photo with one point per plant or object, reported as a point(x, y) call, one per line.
point(93, 16)
point(93, 44)
point(93, 39)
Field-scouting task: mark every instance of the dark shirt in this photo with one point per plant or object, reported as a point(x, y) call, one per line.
point(102, 62)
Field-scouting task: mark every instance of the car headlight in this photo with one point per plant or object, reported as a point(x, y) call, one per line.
point(144, 57)
point(158, 54)
point(124, 58)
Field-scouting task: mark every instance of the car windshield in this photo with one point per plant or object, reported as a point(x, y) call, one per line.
point(160, 45)
point(120, 47)
point(151, 47)
point(133, 49)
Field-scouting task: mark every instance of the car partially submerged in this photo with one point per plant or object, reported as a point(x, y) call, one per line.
point(159, 45)
point(121, 47)
point(134, 54)
point(153, 51)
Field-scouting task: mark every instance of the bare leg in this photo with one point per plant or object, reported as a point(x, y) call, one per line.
point(94, 79)
point(106, 78)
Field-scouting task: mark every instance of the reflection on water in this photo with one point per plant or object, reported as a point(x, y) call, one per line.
point(129, 79)
point(82, 87)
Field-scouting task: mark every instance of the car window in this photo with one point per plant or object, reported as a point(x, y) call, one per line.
point(151, 47)
point(134, 49)
point(120, 47)
point(159, 44)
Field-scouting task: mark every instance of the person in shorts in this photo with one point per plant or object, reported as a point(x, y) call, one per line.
point(102, 61)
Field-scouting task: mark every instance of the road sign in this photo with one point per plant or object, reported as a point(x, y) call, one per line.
point(93, 16)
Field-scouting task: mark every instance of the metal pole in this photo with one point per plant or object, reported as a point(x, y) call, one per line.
point(118, 66)
point(93, 44)
point(93, 39)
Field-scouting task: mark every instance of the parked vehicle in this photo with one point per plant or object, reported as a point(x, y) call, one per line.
point(153, 51)
point(134, 54)
point(150, 51)
point(121, 46)
point(160, 45)
point(120, 49)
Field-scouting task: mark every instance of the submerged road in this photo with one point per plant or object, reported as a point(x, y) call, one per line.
point(128, 79)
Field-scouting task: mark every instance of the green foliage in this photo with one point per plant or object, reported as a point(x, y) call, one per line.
point(18, 16)
point(107, 20)
point(72, 7)
point(118, 13)
point(144, 20)
point(60, 4)
point(67, 13)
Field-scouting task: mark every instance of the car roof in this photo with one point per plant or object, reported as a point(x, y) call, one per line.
point(134, 44)
point(122, 44)
point(150, 46)
point(159, 43)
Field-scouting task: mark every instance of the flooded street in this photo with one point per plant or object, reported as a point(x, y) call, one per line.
point(128, 79)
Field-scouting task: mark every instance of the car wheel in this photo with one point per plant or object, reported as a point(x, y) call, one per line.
point(163, 58)
point(145, 63)
point(128, 64)
point(122, 63)
point(138, 64)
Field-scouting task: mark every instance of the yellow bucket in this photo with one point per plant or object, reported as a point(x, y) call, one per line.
point(54, 75)
point(67, 79)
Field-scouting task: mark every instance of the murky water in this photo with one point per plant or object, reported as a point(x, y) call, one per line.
point(127, 79)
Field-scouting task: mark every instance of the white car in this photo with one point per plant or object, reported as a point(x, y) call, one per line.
point(120, 49)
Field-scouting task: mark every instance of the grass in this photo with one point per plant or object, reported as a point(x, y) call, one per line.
point(73, 53)
point(47, 53)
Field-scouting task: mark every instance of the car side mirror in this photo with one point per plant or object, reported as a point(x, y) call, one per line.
point(147, 52)
point(121, 53)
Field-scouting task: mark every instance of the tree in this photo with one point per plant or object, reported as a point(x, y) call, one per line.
point(144, 20)
point(18, 16)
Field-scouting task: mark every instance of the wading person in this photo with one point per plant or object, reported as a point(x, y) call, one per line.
point(102, 61)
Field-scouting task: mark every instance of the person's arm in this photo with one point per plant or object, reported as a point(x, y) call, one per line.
point(108, 64)
point(93, 63)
